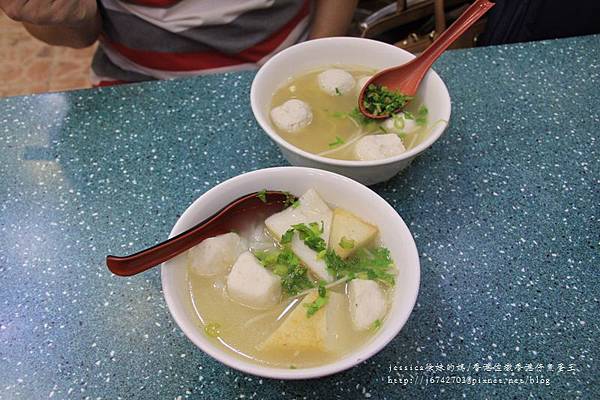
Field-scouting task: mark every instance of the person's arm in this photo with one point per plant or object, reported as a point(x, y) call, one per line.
point(332, 18)
point(78, 38)
point(72, 23)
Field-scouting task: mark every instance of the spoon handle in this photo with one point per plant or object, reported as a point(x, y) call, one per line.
point(223, 221)
point(446, 38)
point(150, 257)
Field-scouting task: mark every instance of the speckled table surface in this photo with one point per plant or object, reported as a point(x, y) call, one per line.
point(504, 210)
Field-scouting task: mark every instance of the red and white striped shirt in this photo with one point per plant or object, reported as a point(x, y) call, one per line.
point(162, 39)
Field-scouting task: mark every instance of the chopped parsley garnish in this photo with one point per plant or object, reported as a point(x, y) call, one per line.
point(422, 115)
point(212, 329)
point(268, 258)
point(320, 301)
point(338, 141)
point(290, 199)
point(398, 121)
point(310, 234)
point(346, 243)
point(287, 236)
point(360, 118)
point(321, 254)
point(375, 325)
point(337, 92)
point(286, 264)
point(262, 195)
point(379, 100)
point(375, 264)
point(322, 290)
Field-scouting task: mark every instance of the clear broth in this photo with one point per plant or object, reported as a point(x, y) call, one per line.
point(327, 125)
point(242, 329)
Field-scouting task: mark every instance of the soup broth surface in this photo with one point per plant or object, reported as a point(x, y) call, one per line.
point(242, 329)
point(332, 119)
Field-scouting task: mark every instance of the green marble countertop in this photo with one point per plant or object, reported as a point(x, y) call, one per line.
point(503, 208)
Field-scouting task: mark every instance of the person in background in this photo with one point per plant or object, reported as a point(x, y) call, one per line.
point(161, 39)
point(524, 20)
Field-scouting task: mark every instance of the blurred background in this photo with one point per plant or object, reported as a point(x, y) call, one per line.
point(29, 66)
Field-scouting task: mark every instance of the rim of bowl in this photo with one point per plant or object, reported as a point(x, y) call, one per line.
point(347, 361)
point(434, 135)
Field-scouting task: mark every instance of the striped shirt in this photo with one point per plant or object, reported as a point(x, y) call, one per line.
point(161, 39)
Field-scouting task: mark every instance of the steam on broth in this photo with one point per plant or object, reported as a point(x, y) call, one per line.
point(317, 112)
point(308, 285)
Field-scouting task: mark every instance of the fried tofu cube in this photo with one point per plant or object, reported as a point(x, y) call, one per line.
point(367, 303)
point(214, 256)
point(349, 233)
point(301, 333)
point(252, 285)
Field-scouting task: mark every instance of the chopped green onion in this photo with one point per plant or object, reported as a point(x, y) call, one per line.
point(265, 257)
point(375, 325)
point(360, 118)
point(337, 92)
point(322, 290)
point(296, 204)
point(287, 236)
point(398, 121)
point(262, 195)
point(212, 329)
point(379, 100)
point(284, 263)
point(422, 115)
point(338, 141)
point(311, 235)
point(346, 243)
point(315, 306)
point(375, 265)
point(289, 198)
point(408, 115)
point(320, 302)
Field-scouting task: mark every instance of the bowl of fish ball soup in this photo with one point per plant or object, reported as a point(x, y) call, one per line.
point(305, 98)
point(308, 291)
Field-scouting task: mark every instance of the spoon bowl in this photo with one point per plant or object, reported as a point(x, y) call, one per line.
point(406, 78)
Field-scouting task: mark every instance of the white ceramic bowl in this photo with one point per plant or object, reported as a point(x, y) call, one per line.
point(335, 189)
point(318, 53)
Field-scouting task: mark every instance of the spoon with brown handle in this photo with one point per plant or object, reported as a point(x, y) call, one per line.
point(233, 217)
point(406, 78)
